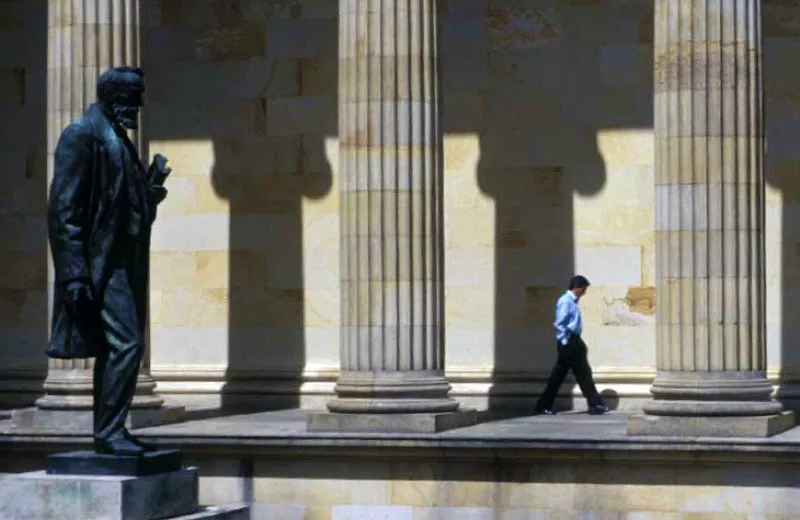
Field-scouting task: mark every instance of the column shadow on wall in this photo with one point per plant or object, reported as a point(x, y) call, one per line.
point(539, 98)
point(265, 185)
point(267, 115)
point(782, 117)
point(532, 168)
point(23, 194)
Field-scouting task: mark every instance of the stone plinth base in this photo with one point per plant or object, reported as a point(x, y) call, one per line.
point(81, 421)
point(390, 423)
point(240, 512)
point(743, 426)
point(91, 463)
point(39, 496)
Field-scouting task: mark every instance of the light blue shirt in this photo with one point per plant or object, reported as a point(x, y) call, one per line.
point(568, 317)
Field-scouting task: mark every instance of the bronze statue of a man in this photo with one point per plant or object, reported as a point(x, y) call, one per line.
point(101, 207)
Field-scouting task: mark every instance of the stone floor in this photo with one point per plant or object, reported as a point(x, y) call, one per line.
point(291, 423)
point(574, 429)
point(572, 425)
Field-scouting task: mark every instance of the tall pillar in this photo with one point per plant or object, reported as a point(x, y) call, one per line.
point(86, 37)
point(390, 163)
point(709, 133)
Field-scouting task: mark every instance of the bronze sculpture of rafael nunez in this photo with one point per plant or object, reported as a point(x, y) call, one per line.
point(101, 207)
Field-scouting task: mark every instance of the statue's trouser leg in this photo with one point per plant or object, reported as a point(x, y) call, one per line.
point(117, 369)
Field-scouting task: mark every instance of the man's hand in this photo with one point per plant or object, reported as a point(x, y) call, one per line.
point(78, 298)
point(159, 170)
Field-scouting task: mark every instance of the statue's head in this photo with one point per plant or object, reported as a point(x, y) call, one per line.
point(120, 91)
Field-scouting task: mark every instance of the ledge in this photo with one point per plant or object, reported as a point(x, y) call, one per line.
point(567, 435)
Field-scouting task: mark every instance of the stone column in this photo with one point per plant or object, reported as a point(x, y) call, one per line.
point(86, 37)
point(709, 133)
point(390, 163)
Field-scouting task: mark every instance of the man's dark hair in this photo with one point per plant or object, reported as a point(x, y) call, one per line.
point(579, 282)
point(116, 79)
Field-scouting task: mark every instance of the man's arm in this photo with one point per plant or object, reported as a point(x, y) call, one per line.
point(562, 321)
point(68, 205)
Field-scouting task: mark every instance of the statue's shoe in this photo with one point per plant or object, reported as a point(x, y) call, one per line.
point(145, 446)
point(118, 446)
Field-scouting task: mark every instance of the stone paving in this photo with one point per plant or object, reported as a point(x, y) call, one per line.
point(569, 426)
point(574, 429)
point(292, 423)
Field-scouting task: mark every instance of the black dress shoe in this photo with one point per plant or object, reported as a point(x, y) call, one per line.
point(118, 446)
point(598, 409)
point(545, 411)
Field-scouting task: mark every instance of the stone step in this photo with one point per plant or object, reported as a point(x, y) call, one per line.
point(82, 421)
point(236, 512)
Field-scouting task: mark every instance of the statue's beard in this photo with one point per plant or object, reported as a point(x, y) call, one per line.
point(127, 116)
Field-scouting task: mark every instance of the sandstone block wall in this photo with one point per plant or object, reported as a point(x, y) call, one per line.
point(547, 114)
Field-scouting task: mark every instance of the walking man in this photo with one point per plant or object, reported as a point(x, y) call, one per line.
point(572, 352)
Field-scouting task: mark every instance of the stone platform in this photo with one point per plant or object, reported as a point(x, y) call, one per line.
point(81, 421)
point(391, 423)
point(244, 432)
point(743, 426)
point(571, 465)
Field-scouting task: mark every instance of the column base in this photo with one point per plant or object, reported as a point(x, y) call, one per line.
point(711, 426)
point(72, 389)
point(390, 422)
point(400, 392)
point(76, 422)
point(705, 394)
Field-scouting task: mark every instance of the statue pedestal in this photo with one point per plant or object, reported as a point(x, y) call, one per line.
point(91, 463)
point(79, 486)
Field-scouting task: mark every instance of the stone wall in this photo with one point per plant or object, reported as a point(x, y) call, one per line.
point(548, 171)
point(245, 269)
point(348, 489)
point(529, 484)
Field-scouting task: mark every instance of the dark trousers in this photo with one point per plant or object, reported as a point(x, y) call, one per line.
point(117, 368)
point(572, 356)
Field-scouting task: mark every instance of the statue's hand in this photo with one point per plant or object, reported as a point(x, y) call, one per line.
point(158, 194)
point(78, 297)
point(159, 170)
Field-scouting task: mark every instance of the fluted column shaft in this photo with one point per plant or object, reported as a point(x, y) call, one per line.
point(709, 127)
point(85, 37)
point(392, 349)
